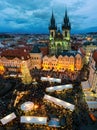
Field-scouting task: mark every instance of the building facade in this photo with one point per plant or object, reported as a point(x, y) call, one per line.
point(93, 71)
point(69, 61)
point(59, 42)
point(36, 57)
point(16, 62)
point(89, 47)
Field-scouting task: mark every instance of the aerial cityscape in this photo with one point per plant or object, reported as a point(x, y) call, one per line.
point(48, 65)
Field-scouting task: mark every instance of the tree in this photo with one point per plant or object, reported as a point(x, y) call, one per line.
point(26, 76)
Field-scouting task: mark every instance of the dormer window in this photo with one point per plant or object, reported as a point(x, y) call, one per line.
point(22, 58)
point(24, 50)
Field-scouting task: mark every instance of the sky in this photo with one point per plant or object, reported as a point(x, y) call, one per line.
point(33, 16)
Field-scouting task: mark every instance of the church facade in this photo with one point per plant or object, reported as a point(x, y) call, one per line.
point(59, 42)
point(61, 57)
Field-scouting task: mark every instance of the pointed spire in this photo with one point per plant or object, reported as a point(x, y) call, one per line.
point(66, 19)
point(52, 14)
point(52, 22)
point(66, 13)
point(66, 22)
point(52, 19)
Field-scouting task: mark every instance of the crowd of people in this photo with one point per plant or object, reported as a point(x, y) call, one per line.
point(35, 93)
point(66, 76)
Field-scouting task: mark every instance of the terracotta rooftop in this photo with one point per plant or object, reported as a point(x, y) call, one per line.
point(13, 53)
point(82, 51)
point(95, 55)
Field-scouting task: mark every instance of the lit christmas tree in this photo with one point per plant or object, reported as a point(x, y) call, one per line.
point(26, 76)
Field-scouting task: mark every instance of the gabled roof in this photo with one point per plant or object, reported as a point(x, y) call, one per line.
point(69, 53)
point(95, 55)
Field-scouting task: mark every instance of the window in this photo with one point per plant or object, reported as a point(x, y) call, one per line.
point(52, 34)
point(22, 58)
point(67, 59)
point(78, 59)
point(65, 34)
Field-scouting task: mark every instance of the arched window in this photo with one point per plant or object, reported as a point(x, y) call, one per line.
point(52, 34)
point(65, 33)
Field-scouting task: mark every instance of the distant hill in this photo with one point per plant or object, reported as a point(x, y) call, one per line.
point(90, 30)
point(6, 36)
point(92, 33)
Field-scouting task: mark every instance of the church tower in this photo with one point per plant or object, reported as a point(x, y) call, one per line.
point(59, 42)
point(66, 27)
point(52, 30)
point(52, 27)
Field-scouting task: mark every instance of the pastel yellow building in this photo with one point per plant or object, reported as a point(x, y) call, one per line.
point(70, 61)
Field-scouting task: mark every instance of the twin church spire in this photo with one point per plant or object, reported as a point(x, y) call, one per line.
point(59, 42)
point(66, 23)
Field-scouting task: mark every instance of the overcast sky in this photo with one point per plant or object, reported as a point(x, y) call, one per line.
point(34, 15)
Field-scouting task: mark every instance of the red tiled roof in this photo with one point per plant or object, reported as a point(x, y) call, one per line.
point(28, 48)
point(13, 53)
point(95, 55)
point(82, 51)
point(44, 50)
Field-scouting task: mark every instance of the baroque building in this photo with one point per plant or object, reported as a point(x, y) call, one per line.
point(69, 61)
point(59, 42)
point(16, 62)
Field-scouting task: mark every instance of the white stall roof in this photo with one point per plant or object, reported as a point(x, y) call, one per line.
point(59, 102)
point(51, 79)
point(92, 104)
point(58, 88)
point(27, 106)
point(8, 118)
point(33, 119)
